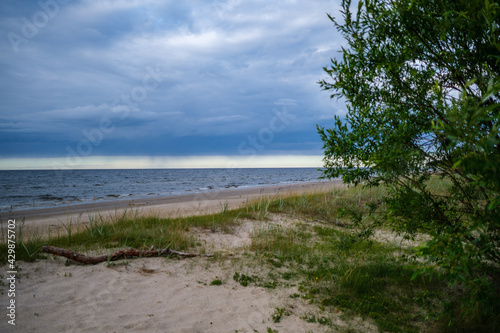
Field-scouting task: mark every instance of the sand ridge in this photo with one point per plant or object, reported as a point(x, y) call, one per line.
point(57, 219)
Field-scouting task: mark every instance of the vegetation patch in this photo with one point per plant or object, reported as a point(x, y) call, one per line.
point(342, 269)
point(127, 230)
point(216, 282)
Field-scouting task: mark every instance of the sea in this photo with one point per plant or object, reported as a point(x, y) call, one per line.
point(25, 189)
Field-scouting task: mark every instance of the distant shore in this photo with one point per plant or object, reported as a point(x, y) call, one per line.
point(176, 205)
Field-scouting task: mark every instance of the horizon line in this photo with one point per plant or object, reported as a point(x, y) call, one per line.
point(161, 162)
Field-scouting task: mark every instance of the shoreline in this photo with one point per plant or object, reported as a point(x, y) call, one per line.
point(166, 206)
point(25, 191)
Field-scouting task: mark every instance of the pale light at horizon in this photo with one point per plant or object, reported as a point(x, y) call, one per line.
point(163, 162)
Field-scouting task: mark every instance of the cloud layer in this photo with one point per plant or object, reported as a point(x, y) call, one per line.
point(164, 78)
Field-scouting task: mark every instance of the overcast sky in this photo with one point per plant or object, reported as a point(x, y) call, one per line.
point(86, 80)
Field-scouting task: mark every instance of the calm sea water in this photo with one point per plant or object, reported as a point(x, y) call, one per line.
point(48, 188)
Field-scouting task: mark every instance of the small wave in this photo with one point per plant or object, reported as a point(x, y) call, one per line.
point(49, 197)
point(18, 196)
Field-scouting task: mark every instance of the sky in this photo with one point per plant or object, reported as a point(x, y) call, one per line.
point(115, 83)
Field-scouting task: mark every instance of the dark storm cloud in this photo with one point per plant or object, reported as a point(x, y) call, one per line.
point(164, 77)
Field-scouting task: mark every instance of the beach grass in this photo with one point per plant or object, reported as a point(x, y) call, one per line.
point(342, 273)
point(301, 241)
point(125, 230)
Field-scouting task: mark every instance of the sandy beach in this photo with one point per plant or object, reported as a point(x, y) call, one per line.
point(158, 294)
point(41, 220)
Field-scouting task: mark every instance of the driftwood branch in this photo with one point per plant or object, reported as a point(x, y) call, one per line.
point(122, 254)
